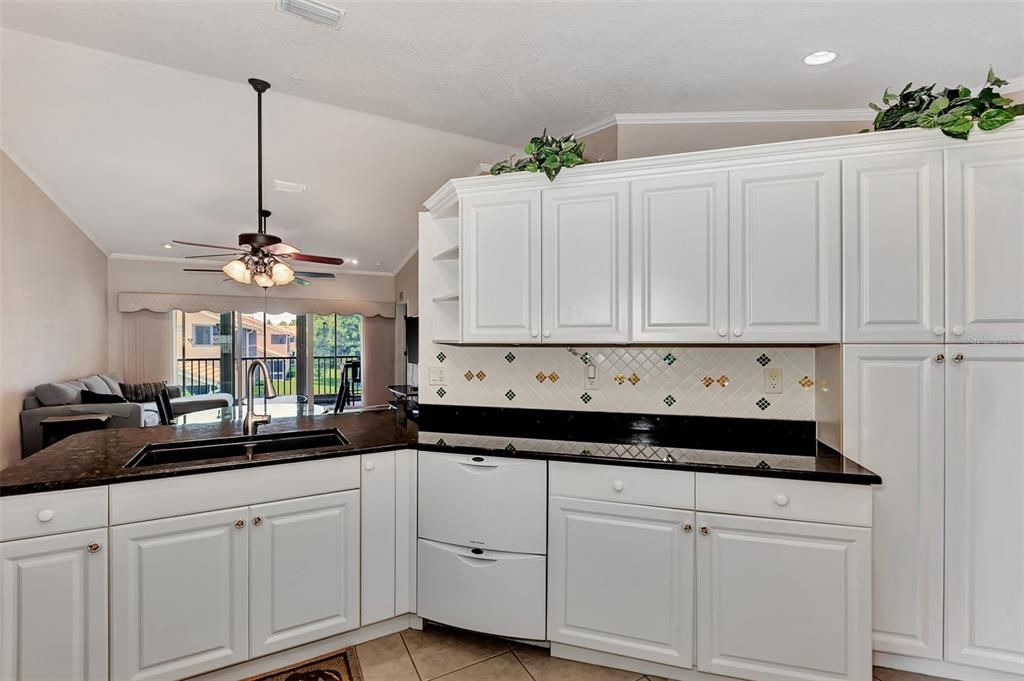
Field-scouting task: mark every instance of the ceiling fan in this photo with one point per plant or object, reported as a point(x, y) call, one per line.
point(260, 258)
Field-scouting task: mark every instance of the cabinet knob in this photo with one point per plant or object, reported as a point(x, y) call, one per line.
point(940, 358)
point(958, 330)
point(958, 357)
point(45, 516)
point(533, 333)
point(239, 523)
point(687, 527)
point(737, 332)
point(781, 499)
point(618, 486)
point(939, 330)
point(258, 520)
point(93, 548)
point(723, 332)
point(547, 333)
point(704, 530)
point(370, 465)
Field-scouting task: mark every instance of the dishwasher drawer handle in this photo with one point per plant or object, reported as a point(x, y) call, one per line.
point(476, 561)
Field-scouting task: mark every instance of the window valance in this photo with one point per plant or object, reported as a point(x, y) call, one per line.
point(191, 302)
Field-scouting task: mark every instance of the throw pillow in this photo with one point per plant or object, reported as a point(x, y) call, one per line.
point(142, 392)
point(113, 382)
point(96, 384)
point(56, 394)
point(89, 397)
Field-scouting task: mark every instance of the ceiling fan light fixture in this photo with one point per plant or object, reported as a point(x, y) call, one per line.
point(237, 270)
point(263, 280)
point(281, 273)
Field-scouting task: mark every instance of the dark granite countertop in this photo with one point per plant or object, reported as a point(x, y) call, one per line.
point(767, 448)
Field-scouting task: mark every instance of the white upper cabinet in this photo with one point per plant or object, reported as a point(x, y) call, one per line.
point(501, 267)
point(586, 264)
point(892, 423)
point(784, 242)
point(680, 254)
point(54, 616)
point(893, 248)
point(985, 236)
point(985, 507)
point(305, 570)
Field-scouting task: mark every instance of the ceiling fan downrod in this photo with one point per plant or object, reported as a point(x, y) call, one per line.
point(260, 86)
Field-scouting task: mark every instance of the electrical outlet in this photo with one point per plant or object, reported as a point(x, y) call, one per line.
point(438, 376)
point(773, 381)
point(590, 377)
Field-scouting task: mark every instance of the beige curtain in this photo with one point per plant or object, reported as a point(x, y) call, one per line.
point(147, 346)
point(378, 359)
point(128, 301)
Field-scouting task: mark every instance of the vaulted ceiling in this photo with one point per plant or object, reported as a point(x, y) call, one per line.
point(136, 118)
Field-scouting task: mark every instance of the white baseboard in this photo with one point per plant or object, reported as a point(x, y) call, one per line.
point(292, 656)
point(945, 670)
point(630, 664)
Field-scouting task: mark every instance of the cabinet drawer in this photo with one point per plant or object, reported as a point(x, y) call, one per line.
point(626, 484)
point(824, 502)
point(490, 502)
point(491, 591)
point(35, 515)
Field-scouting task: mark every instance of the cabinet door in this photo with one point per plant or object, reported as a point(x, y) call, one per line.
point(405, 530)
point(985, 205)
point(893, 248)
point(985, 507)
point(305, 570)
point(783, 599)
point(785, 256)
point(377, 547)
point(54, 619)
point(501, 268)
point(892, 423)
point(180, 595)
point(586, 264)
point(620, 579)
point(680, 255)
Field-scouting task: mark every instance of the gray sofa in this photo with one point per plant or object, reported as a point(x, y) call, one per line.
point(64, 399)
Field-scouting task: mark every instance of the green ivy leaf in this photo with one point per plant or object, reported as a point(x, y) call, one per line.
point(994, 118)
point(530, 148)
point(928, 120)
point(939, 104)
point(958, 128)
point(994, 80)
point(532, 167)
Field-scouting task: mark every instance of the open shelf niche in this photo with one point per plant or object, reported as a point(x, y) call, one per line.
point(441, 277)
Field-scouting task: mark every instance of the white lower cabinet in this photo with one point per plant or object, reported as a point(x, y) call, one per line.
point(180, 595)
point(620, 579)
point(304, 567)
point(782, 599)
point(379, 542)
point(54, 595)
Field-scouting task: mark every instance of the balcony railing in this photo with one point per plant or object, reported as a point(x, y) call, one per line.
point(199, 376)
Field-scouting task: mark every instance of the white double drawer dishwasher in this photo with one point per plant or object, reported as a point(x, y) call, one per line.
point(482, 543)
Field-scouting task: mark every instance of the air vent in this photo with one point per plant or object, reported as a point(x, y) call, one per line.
point(310, 10)
point(293, 187)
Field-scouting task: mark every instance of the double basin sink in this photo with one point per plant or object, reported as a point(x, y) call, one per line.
point(241, 447)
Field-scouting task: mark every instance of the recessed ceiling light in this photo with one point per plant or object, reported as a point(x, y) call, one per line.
point(168, 246)
point(819, 58)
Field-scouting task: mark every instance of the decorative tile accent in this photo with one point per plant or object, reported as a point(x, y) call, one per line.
point(510, 447)
point(669, 400)
point(586, 358)
point(806, 382)
point(541, 377)
point(510, 395)
point(441, 442)
point(510, 358)
point(620, 378)
point(762, 464)
point(723, 380)
point(468, 375)
point(586, 398)
point(441, 357)
point(670, 359)
point(553, 377)
point(763, 404)
point(763, 360)
point(634, 379)
point(480, 375)
point(707, 381)
point(441, 392)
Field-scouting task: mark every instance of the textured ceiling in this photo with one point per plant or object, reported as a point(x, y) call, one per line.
point(503, 70)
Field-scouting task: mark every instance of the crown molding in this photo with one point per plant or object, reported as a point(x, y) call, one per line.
point(770, 116)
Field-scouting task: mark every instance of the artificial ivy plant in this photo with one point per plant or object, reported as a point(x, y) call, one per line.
point(544, 153)
point(952, 110)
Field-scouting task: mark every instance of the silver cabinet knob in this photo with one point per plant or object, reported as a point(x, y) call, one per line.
point(737, 332)
point(781, 499)
point(958, 330)
point(940, 358)
point(618, 486)
point(45, 516)
point(547, 333)
point(369, 465)
point(958, 357)
point(258, 520)
point(239, 523)
point(939, 330)
point(94, 548)
point(723, 332)
point(533, 333)
point(687, 527)
point(704, 530)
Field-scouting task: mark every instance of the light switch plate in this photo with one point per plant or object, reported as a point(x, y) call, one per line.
point(438, 376)
point(590, 377)
point(773, 381)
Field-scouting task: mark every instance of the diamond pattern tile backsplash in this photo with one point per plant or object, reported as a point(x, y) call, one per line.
point(706, 381)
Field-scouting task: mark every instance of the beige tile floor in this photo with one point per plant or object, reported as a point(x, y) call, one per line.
point(450, 655)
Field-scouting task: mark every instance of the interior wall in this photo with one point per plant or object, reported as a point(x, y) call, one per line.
point(53, 300)
point(638, 140)
point(602, 145)
point(407, 282)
